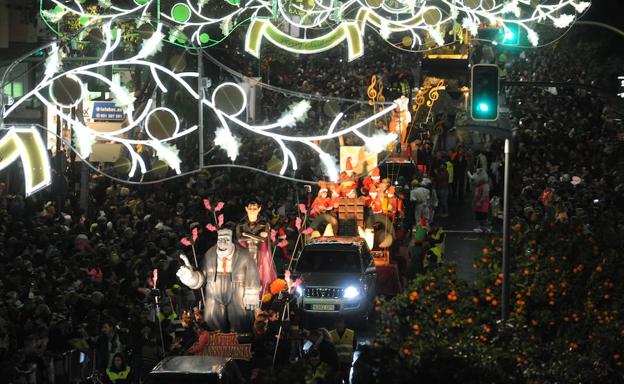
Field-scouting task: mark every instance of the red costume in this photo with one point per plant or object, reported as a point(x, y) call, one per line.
point(322, 203)
point(373, 201)
point(372, 179)
point(395, 204)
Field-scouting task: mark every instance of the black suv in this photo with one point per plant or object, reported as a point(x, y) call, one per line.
point(339, 277)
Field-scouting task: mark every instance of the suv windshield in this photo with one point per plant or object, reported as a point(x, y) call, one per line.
point(329, 260)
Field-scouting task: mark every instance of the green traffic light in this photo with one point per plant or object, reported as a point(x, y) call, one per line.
point(483, 107)
point(509, 35)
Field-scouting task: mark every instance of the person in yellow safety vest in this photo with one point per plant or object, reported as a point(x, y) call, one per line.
point(167, 313)
point(433, 256)
point(450, 169)
point(437, 237)
point(317, 371)
point(119, 371)
point(345, 342)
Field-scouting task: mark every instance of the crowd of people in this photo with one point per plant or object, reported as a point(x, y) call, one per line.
point(579, 179)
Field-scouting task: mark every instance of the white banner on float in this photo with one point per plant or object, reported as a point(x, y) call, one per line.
point(361, 160)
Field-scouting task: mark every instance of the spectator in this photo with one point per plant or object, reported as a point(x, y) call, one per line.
point(321, 341)
point(119, 372)
point(317, 371)
point(480, 199)
point(108, 344)
point(441, 183)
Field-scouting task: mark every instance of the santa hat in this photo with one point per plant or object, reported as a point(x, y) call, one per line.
point(391, 191)
point(375, 174)
point(348, 165)
point(323, 187)
point(281, 234)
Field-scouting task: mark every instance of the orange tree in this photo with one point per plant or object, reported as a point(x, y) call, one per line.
point(565, 325)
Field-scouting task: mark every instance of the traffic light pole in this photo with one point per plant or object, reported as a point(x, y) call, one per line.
point(505, 293)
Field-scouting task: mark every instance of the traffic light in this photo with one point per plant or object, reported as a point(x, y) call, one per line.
point(511, 34)
point(484, 92)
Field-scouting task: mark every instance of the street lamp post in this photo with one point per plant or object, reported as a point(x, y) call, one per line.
point(505, 293)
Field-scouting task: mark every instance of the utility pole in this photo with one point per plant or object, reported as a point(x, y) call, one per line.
point(505, 293)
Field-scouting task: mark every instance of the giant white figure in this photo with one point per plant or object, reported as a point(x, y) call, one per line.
point(232, 284)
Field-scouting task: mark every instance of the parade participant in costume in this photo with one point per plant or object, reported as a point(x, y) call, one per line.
point(372, 179)
point(232, 284)
point(374, 201)
point(322, 203)
point(395, 204)
point(282, 258)
point(253, 232)
point(420, 197)
point(400, 119)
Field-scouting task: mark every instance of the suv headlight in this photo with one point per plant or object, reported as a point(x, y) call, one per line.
point(299, 290)
point(351, 292)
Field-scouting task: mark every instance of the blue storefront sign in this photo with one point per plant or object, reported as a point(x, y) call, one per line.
point(106, 111)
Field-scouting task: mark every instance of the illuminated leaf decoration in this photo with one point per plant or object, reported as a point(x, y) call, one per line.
point(53, 62)
point(211, 227)
point(207, 204)
point(152, 45)
point(186, 242)
point(122, 96)
point(168, 153)
point(273, 234)
point(228, 142)
point(84, 142)
point(307, 231)
point(105, 3)
point(220, 221)
point(219, 206)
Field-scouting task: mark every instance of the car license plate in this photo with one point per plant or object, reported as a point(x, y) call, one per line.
point(323, 307)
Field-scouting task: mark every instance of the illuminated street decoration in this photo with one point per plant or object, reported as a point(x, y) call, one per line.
point(427, 95)
point(621, 78)
point(348, 31)
point(25, 144)
point(422, 24)
point(325, 24)
point(72, 83)
point(375, 92)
